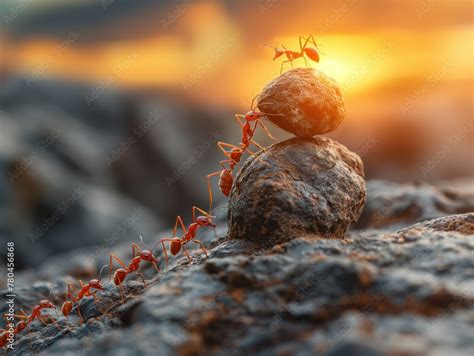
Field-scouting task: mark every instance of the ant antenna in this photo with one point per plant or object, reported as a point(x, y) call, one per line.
point(253, 100)
point(154, 246)
point(268, 114)
point(215, 209)
point(319, 49)
point(100, 272)
point(269, 46)
point(51, 291)
point(144, 243)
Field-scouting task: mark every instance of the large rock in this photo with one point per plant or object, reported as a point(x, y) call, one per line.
point(303, 101)
point(297, 187)
point(408, 292)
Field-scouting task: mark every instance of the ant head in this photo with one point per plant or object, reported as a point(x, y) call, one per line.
point(278, 51)
point(95, 283)
point(46, 304)
point(252, 115)
point(147, 255)
point(205, 221)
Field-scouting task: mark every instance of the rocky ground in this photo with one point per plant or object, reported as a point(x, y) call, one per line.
point(401, 282)
point(303, 269)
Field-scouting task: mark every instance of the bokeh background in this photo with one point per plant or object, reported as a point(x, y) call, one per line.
point(110, 110)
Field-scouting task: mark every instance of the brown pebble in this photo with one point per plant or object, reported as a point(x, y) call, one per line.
point(310, 102)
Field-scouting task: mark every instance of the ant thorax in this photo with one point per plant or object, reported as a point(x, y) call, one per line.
point(236, 154)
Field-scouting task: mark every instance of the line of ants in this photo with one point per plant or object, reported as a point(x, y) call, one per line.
point(233, 155)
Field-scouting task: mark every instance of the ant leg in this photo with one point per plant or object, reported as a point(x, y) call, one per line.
point(266, 130)
point(142, 277)
point(307, 39)
point(180, 221)
point(221, 146)
point(43, 321)
point(155, 266)
point(283, 63)
point(96, 301)
point(311, 38)
point(198, 209)
point(228, 169)
point(250, 152)
point(302, 46)
point(79, 314)
point(202, 247)
point(116, 258)
point(237, 117)
point(135, 248)
point(165, 252)
point(258, 145)
point(55, 322)
point(208, 177)
point(121, 293)
point(66, 321)
point(187, 254)
point(203, 212)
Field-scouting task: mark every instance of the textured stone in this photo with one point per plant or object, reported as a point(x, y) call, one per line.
point(392, 205)
point(408, 292)
point(297, 187)
point(308, 102)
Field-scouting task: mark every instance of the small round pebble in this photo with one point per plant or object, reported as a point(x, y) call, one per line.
point(310, 101)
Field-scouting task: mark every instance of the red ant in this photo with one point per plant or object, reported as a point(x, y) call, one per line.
point(18, 328)
point(143, 255)
point(43, 304)
point(22, 324)
point(177, 243)
point(247, 130)
point(26, 320)
point(66, 307)
point(311, 52)
point(4, 337)
point(225, 175)
point(85, 291)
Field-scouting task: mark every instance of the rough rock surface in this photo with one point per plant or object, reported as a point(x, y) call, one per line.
point(297, 187)
point(394, 205)
point(309, 101)
point(408, 292)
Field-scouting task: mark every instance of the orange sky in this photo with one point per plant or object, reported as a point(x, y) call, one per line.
point(209, 56)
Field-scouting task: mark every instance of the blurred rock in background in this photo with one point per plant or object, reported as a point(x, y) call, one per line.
point(75, 175)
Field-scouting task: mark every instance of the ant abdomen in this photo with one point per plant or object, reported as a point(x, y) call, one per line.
point(175, 246)
point(312, 53)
